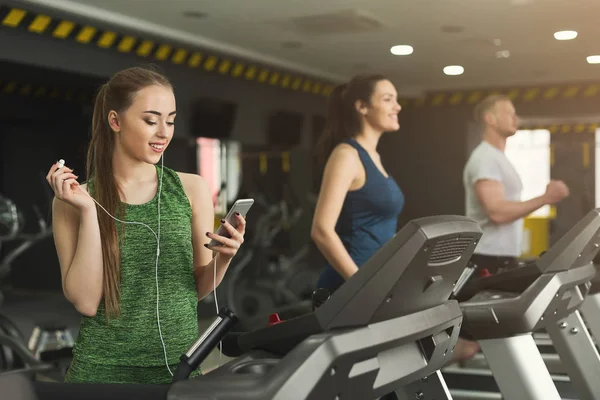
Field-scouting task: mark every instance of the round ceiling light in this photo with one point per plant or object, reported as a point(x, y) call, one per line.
point(453, 70)
point(565, 35)
point(593, 59)
point(401, 50)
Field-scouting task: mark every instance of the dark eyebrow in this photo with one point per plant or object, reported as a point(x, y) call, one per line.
point(159, 114)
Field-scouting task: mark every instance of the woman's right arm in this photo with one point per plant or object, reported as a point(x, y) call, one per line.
point(77, 241)
point(340, 172)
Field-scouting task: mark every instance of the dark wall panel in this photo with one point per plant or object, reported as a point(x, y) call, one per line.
point(426, 158)
point(255, 101)
point(574, 163)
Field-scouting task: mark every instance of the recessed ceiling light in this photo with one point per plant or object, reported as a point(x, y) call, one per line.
point(453, 70)
point(503, 54)
point(401, 50)
point(593, 59)
point(565, 35)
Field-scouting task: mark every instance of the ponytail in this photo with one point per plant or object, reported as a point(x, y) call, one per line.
point(343, 121)
point(334, 131)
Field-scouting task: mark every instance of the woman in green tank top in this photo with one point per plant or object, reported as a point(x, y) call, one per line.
point(135, 281)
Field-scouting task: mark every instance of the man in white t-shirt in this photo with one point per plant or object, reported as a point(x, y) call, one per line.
point(493, 189)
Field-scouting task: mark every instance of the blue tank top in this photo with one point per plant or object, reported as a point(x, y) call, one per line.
point(368, 218)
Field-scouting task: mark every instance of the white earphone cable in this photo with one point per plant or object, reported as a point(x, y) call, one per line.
point(157, 237)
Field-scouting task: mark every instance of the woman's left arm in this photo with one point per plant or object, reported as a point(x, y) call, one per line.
point(203, 216)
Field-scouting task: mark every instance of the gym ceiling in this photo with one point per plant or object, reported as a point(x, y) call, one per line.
point(506, 46)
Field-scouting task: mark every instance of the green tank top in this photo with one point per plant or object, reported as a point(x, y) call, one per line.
point(132, 339)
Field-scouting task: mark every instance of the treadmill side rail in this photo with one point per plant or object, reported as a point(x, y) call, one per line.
point(590, 310)
point(431, 387)
point(519, 369)
point(578, 354)
point(549, 299)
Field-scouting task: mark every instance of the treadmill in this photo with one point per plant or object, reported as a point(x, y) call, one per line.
point(390, 327)
point(590, 309)
point(503, 310)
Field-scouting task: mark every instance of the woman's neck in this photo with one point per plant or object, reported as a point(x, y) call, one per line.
point(369, 139)
point(129, 171)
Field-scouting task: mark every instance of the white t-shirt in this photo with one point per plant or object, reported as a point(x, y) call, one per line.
point(489, 162)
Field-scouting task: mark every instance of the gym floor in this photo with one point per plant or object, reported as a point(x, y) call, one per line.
point(28, 309)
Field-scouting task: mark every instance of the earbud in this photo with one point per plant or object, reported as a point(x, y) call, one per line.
point(61, 163)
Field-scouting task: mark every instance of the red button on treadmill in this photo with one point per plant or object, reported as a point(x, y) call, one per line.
point(274, 319)
point(484, 273)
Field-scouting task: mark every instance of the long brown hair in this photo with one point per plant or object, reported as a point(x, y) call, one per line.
point(117, 94)
point(343, 120)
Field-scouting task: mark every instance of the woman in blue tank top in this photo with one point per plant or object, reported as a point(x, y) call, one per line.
point(359, 202)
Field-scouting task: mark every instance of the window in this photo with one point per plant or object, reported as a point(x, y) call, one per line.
point(529, 152)
point(219, 165)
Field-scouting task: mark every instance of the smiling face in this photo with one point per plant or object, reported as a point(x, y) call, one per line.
point(381, 113)
point(145, 129)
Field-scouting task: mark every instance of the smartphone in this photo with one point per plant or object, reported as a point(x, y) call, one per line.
point(241, 206)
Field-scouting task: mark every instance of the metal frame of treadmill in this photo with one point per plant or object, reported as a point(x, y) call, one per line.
point(503, 322)
point(575, 346)
point(578, 354)
point(590, 310)
point(391, 326)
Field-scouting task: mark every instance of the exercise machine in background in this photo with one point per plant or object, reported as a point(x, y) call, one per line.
point(50, 342)
point(502, 311)
point(276, 267)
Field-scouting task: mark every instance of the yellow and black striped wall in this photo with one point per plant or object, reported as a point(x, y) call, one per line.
point(50, 24)
point(519, 95)
point(87, 33)
point(34, 90)
point(572, 128)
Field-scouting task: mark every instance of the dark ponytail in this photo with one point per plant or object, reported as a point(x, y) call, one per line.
point(343, 121)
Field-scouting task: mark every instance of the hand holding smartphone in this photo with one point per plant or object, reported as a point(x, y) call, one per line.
point(241, 206)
